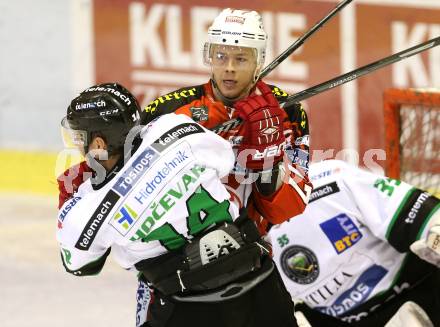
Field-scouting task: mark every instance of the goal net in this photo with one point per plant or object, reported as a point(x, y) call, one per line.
point(412, 136)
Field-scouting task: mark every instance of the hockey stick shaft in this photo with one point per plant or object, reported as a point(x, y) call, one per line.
point(354, 74)
point(278, 60)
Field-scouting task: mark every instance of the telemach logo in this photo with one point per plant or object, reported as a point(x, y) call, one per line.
point(95, 222)
point(323, 191)
point(416, 207)
point(90, 105)
point(123, 97)
point(176, 134)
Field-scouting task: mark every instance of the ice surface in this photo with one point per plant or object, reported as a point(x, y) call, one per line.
point(36, 291)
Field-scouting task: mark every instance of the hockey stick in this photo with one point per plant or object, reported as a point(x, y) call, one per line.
point(354, 74)
point(342, 79)
point(278, 60)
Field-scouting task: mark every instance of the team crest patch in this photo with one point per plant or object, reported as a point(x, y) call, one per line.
point(300, 264)
point(341, 232)
point(199, 113)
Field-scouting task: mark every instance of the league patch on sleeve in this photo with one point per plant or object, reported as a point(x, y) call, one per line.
point(341, 232)
point(199, 113)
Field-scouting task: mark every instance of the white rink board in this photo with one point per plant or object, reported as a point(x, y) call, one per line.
point(36, 291)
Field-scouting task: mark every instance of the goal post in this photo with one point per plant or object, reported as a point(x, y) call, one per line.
point(412, 136)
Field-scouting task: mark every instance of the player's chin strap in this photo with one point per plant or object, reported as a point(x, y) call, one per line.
point(219, 265)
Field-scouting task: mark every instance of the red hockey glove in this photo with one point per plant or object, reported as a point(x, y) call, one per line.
point(263, 131)
point(70, 180)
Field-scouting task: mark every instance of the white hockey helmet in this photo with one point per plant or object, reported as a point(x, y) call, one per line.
point(239, 28)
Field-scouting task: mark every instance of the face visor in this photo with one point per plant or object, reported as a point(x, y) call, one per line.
point(230, 57)
point(74, 138)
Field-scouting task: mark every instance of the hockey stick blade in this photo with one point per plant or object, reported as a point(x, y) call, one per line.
point(278, 60)
point(354, 74)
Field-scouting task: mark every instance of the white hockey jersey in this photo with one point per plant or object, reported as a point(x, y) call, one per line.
point(347, 253)
point(168, 191)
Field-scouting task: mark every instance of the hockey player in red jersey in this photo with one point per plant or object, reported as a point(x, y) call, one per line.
point(235, 51)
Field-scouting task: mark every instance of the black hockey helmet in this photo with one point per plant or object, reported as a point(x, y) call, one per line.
point(107, 110)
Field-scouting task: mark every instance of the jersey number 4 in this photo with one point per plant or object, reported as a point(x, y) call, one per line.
point(203, 211)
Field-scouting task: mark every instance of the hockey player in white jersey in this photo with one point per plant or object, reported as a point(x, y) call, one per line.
point(348, 258)
point(159, 206)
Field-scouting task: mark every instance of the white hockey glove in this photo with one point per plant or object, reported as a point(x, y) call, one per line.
point(429, 249)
